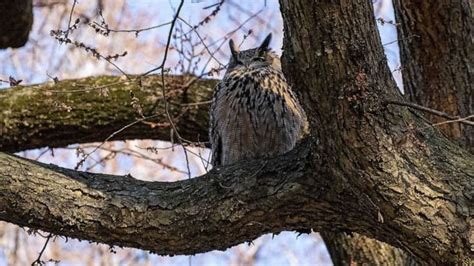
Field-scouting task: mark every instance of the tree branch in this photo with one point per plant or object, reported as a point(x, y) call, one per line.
point(92, 109)
point(215, 211)
point(224, 207)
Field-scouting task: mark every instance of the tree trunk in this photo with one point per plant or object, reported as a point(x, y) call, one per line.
point(436, 52)
point(92, 109)
point(338, 41)
point(345, 251)
point(356, 249)
point(435, 43)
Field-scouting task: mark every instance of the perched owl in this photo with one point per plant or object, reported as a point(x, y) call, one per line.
point(254, 112)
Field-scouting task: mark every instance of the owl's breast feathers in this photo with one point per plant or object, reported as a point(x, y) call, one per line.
point(254, 114)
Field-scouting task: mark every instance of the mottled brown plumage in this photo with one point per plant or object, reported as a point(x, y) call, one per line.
point(254, 112)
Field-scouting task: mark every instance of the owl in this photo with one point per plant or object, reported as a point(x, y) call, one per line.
point(254, 112)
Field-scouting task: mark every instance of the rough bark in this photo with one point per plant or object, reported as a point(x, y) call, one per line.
point(435, 41)
point(91, 109)
point(235, 204)
point(333, 45)
point(16, 21)
point(437, 53)
point(356, 249)
point(215, 211)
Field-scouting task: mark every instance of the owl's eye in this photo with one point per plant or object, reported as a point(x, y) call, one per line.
point(258, 59)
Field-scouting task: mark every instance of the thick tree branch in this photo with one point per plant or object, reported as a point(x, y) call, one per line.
point(215, 211)
point(91, 109)
point(231, 205)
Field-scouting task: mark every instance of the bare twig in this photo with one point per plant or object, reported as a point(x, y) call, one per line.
point(226, 37)
point(383, 21)
point(163, 85)
point(202, 41)
point(208, 17)
point(61, 37)
point(38, 261)
point(452, 119)
point(170, 33)
point(70, 18)
point(130, 152)
point(401, 40)
point(136, 31)
point(110, 137)
point(459, 120)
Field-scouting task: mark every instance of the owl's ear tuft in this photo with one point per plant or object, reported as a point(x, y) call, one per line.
point(233, 49)
point(264, 46)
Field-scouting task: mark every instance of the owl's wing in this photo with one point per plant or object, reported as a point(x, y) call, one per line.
point(214, 136)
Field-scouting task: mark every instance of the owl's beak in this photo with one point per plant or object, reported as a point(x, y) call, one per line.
point(247, 65)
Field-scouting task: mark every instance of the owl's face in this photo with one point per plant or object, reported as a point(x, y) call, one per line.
point(253, 58)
